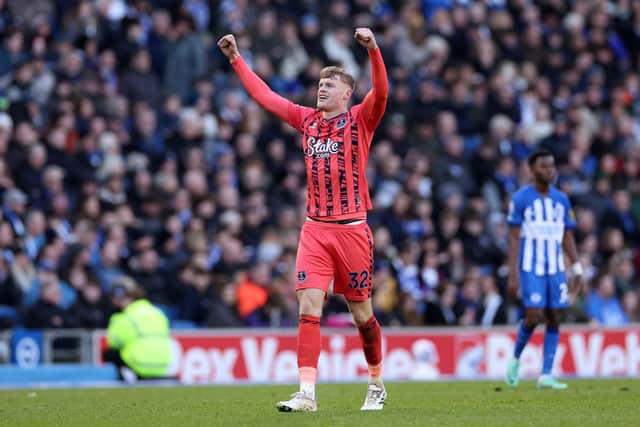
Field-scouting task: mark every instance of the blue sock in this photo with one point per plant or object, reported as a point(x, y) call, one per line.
point(551, 338)
point(524, 334)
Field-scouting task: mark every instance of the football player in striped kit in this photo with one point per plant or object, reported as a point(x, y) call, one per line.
point(541, 234)
point(336, 244)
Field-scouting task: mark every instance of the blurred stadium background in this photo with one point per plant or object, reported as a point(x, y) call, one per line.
point(130, 151)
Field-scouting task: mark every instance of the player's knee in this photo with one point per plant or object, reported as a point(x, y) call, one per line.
point(360, 318)
point(310, 305)
point(533, 318)
point(552, 322)
point(361, 312)
point(552, 318)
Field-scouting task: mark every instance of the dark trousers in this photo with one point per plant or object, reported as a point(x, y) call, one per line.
point(113, 356)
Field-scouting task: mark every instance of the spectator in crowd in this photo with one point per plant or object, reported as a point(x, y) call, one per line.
point(108, 269)
point(602, 306)
point(35, 237)
point(139, 83)
point(440, 310)
point(47, 312)
point(197, 293)
point(619, 215)
point(14, 208)
point(630, 305)
point(92, 308)
point(45, 272)
point(493, 310)
point(186, 58)
point(252, 292)
point(224, 312)
point(147, 275)
point(10, 297)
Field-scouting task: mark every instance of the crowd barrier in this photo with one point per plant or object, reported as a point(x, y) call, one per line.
point(268, 355)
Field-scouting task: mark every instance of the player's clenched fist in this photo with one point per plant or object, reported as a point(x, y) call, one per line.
point(365, 37)
point(229, 47)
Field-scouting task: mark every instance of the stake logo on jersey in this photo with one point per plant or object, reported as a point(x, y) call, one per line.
point(321, 148)
point(543, 220)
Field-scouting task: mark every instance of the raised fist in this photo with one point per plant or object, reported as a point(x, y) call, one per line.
point(228, 46)
point(365, 37)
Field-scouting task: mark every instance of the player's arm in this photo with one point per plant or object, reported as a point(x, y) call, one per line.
point(258, 89)
point(512, 261)
point(569, 248)
point(514, 219)
point(375, 101)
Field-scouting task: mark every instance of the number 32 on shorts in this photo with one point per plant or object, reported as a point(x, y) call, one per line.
point(358, 279)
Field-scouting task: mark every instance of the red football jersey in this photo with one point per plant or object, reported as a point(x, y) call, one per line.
point(336, 149)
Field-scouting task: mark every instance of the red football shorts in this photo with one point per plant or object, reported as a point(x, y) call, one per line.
point(342, 252)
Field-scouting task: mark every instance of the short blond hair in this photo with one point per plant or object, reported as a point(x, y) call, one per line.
point(340, 73)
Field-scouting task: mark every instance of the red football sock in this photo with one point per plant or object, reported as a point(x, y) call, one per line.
point(371, 337)
point(309, 341)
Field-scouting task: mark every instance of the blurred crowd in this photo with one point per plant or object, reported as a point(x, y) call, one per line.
point(129, 153)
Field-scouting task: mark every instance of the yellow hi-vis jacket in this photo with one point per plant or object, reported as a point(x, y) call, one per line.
point(141, 333)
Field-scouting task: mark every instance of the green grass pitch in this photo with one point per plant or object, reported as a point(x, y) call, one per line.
point(585, 403)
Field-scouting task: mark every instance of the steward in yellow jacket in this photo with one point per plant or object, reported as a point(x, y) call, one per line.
point(138, 336)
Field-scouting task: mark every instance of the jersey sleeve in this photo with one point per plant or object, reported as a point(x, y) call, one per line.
point(375, 102)
point(516, 210)
point(569, 215)
point(286, 110)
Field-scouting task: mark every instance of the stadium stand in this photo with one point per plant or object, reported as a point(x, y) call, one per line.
point(129, 150)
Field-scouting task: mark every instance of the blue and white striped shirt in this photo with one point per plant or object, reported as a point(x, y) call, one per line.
point(542, 220)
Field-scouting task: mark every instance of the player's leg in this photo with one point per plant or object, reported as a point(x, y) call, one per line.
point(533, 316)
point(371, 339)
point(533, 300)
point(558, 301)
point(370, 336)
point(354, 270)
point(353, 279)
point(309, 343)
point(314, 272)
